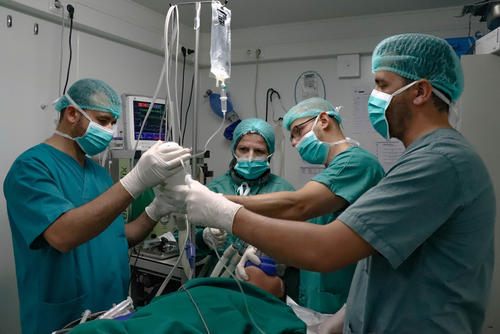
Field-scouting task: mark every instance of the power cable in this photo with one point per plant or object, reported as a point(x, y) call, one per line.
point(183, 49)
point(187, 110)
point(71, 11)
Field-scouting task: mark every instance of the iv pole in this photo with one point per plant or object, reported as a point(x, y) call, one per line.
point(194, 163)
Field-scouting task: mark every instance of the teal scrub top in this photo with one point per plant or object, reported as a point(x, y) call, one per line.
point(220, 303)
point(228, 184)
point(55, 288)
point(431, 219)
point(348, 175)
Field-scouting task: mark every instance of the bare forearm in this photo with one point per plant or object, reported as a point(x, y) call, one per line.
point(139, 229)
point(83, 223)
point(322, 248)
point(283, 205)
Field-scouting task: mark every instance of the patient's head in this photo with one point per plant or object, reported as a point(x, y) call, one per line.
point(272, 284)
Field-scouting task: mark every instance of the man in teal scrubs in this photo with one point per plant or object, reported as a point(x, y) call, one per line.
point(70, 241)
point(424, 233)
point(314, 126)
point(249, 171)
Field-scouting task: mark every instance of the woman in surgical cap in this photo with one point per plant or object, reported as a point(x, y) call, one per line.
point(248, 174)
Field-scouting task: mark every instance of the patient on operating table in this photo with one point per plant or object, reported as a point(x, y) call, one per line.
point(216, 304)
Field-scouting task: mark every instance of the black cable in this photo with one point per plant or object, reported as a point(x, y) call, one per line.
point(133, 272)
point(182, 89)
point(267, 101)
point(470, 18)
point(269, 97)
point(71, 11)
point(187, 111)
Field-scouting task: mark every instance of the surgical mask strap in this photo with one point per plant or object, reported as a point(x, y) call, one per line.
point(63, 134)
point(78, 107)
point(402, 89)
point(314, 124)
point(346, 140)
point(453, 116)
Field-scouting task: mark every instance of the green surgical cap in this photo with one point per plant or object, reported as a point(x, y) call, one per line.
point(309, 108)
point(254, 125)
point(419, 56)
point(92, 94)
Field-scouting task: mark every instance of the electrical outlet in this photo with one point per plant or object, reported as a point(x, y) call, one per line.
point(56, 7)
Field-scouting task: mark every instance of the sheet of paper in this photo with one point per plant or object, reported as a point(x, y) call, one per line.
point(308, 171)
point(388, 152)
point(361, 121)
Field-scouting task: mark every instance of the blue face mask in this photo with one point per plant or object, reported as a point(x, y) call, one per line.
point(252, 168)
point(95, 139)
point(314, 151)
point(377, 107)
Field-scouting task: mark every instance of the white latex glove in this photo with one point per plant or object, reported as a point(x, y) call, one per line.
point(334, 324)
point(206, 208)
point(249, 255)
point(214, 237)
point(154, 167)
point(160, 207)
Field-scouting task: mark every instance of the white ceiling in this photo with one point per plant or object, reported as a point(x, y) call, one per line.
point(251, 13)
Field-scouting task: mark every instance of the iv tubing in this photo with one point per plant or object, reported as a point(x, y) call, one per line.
point(157, 90)
point(171, 273)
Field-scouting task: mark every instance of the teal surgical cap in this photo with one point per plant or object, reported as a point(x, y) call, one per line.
point(254, 125)
point(92, 94)
point(419, 56)
point(309, 108)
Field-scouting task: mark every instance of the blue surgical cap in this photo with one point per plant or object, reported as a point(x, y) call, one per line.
point(254, 125)
point(92, 94)
point(420, 56)
point(309, 108)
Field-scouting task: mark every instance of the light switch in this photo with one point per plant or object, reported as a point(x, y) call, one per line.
point(348, 66)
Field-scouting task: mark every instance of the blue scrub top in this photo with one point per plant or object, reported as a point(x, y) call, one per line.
point(431, 219)
point(348, 175)
point(55, 288)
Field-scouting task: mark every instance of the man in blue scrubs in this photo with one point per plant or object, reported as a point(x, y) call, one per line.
point(70, 240)
point(424, 233)
point(314, 126)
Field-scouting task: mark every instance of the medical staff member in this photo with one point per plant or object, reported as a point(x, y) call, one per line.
point(70, 241)
point(314, 126)
point(249, 173)
point(424, 234)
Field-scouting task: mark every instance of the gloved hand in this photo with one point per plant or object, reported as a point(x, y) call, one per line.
point(206, 208)
point(160, 206)
point(214, 237)
point(248, 255)
point(155, 166)
point(334, 324)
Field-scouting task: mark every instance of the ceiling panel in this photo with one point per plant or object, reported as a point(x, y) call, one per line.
point(251, 13)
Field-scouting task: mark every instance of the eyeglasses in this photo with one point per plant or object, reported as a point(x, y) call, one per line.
point(297, 129)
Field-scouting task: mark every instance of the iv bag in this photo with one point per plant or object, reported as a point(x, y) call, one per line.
point(220, 46)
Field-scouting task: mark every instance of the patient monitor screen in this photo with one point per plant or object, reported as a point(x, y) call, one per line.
point(151, 129)
point(135, 110)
